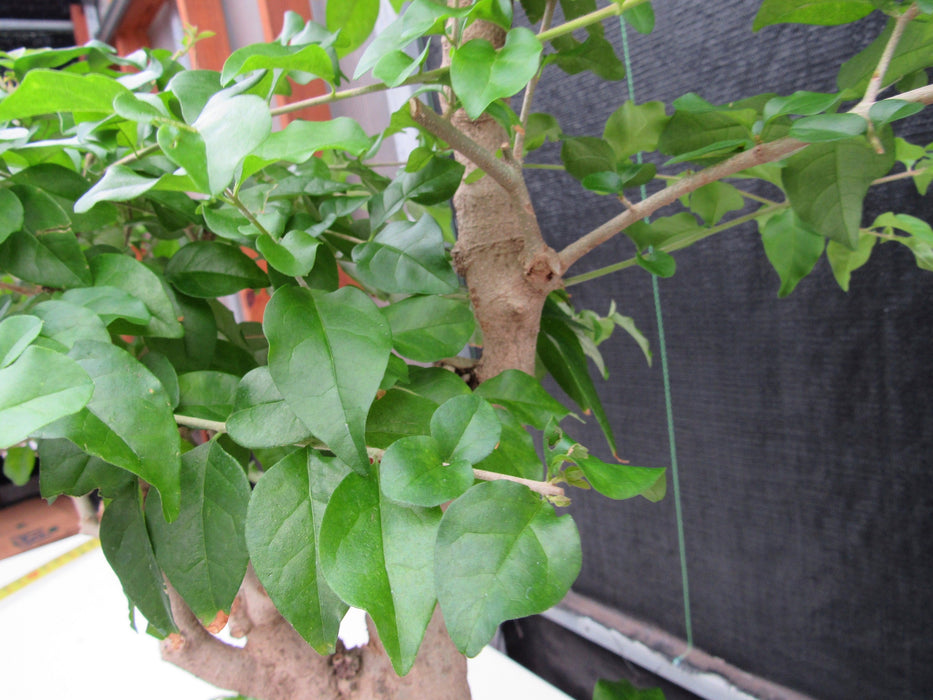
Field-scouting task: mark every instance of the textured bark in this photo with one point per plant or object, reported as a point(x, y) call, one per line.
point(277, 664)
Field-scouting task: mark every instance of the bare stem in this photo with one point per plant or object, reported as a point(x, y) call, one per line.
point(507, 177)
point(235, 201)
point(897, 176)
point(201, 423)
point(136, 155)
point(518, 150)
point(542, 487)
point(25, 291)
point(877, 78)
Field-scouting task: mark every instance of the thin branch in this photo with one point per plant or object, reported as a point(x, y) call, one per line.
point(613, 10)
point(201, 423)
point(136, 155)
point(518, 150)
point(898, 176)
point(25, 291)
point(677, 244)
point(507, 177)
point(877, 77)
point(542, 487)
point(235, 201)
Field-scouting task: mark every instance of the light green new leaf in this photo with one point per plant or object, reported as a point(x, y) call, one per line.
point(203, 553)
point(792, 248)
point(633, 128)
point(479, 74)
point(16, 333)
point(118, 184)
point(827, 182)
point(418, 471)
point(231, 128)
point(52, 91)
point(302, 139)
point(420, 17)
point(209, 269)
point(307, 58)
point(128, 421)
point(524, 397)
point(379, 556)
point(887, 111)
point(501, 553)
point(395, 68)
point(430, 328)
point(11, 214)
point(327, 356)
point(713, 201)
point(354, 19)
point(18, 465)
point(465, 427)
point(260, 417)
point(134, 278)
point(623, 690)
point(283, 527)
point(39, 387)
point(109, 303)
point(407, 258)
point(621, 481)
point(845, 261)
point(125, 542)
point(823, 12)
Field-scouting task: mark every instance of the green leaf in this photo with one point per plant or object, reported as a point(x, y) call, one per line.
point(406, 258)
point(641, 17)
point(19, 462)
point(501, 553)
point(845, 261)
point(109, 303)
point(327, 356)
point(432, 183)
point(118, 184)
point(39, 387)
point(479, 74)
point(125, 542)
point(134, 278)
point(194, 88)
point(12, 215)
point(713, 201)
point(260, 417)
point(466, 428)
point(203, 553)
point(888, 111)
point(801, 103)
point(792, 248)
point(293, 254)
point(563, 356)
point(67, 323)
point(395, 68)
point(207, 394)
point(704, 133)
point(663, 231)
point(300, 140)
point(623, 690)
point(354, 19)
point(524, 397)
point(516, 453)
point(283, 527)
point(541, 127)
point(417, 470)
point(399, 414)
point(621, 481)
point(823, 12)
point(140, 108)
point(51, 91)
point(66, 470)
point(379, 556)
point(307, 58)
point(828, 127)
point(430, 328)
point(634, 128)
point(595, 54)
point(16, 333)
point(911, 54)
point(208, 269)
point(827, 182)
point(128, 421)
point(657, 262)
point(587, 155)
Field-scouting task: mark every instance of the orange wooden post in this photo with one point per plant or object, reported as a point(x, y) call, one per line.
point(82, 34)
point(133, 32)
point(206, 15)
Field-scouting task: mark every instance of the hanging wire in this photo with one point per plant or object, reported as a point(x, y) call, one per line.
point(675, 476)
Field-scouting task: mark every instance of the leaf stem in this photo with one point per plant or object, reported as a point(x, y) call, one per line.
point(613, 10)
point(235, 201)
point(201, 423)
point(542, 487)
point(136, 155)
point(898, 176)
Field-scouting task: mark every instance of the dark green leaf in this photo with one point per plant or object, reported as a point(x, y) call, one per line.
point(282, 531)
point(501, 553)
point(162, 368)
point(792, 248)
point(417, 470)
point(524, 397)
point(824, 12)
point(16, 333)
point(194, 88)
point(39, 387)
point(595, 54)
point(118, 184)
point(480, 74)
point(67, 323)
point(11, 214)
point(466, 428)
point(802, 103)
point(379, 556)
point(891, 110)
point(327, 356)
point(407, 258)
point(134, 278)
point(515, 454)
point(664, 231)
point(203, 553)
point(293, 254)
point(300, 140)
point(398, 414)
point(586, 155)
point(433, 183)
point(125, 542)
point(208, 269)
point(260, 417)
point(66, 470)
point(430, 328)
point(207, 394)
point(828, 127)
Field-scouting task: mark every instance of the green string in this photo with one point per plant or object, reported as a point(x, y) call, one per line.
point(675, 477)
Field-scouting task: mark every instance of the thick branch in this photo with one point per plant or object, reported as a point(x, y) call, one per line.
point(542, 487)
point(507, 177)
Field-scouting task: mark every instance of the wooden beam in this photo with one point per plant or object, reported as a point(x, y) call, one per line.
point(206, 15)
point(271, 14)
point(82, 34)
point(133, 32)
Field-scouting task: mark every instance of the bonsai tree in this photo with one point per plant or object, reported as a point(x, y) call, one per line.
point(382, 438)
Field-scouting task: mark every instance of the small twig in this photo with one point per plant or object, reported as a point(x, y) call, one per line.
point(25, 291)
point(897, 176)
point(201, 423)
point(877, 78)
point(507, 177)
point(542, 487)
point(235, 201)
point(518, 150)
point(136, 155)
